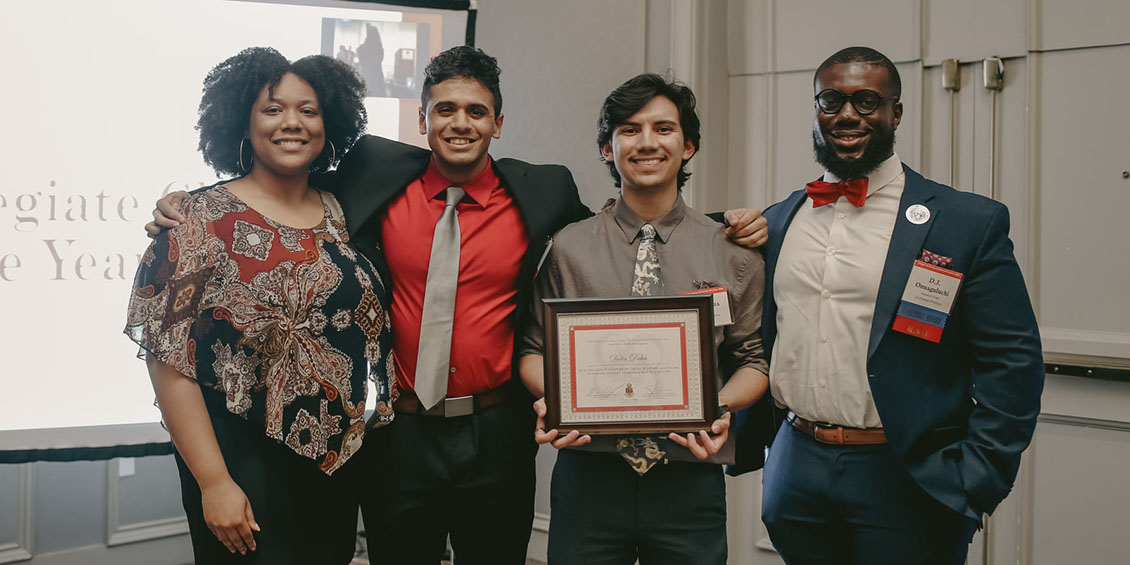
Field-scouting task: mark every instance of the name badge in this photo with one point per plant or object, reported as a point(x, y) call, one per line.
point(931, 286)
point(722, 315)
point(927, 301)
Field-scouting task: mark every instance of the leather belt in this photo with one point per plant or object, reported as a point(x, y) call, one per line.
point(837, 435)
point(451, 407)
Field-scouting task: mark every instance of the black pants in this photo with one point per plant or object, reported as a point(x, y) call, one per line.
point(471, 477)
point(854, 505)
point(305, 516)
point(604, 513)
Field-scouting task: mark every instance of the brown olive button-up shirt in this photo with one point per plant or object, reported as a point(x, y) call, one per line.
point(596, 258)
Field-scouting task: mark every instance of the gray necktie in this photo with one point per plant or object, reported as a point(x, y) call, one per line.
point(434, 357)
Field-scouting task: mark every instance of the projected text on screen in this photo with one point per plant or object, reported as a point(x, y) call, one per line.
point(102, 102)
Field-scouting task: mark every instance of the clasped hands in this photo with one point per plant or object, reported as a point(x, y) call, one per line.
point(702, 444)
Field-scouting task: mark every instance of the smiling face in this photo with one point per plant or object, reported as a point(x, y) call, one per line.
point(459, 121)
point(849, 144)
point(648, 148)
point(286, 130)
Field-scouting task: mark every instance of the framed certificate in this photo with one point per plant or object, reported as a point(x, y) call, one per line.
point(630, 365)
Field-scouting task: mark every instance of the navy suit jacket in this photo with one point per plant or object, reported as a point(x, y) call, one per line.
point(376, 170)
point(959, 412)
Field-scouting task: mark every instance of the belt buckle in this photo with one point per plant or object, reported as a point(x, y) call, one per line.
point(458, 406)
point(817, 426)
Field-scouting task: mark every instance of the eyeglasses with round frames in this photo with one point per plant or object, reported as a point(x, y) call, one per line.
point(831, 101)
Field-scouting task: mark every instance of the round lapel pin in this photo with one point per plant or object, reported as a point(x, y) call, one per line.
point(918, 214)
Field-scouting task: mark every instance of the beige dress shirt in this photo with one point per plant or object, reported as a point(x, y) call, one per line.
point(597, 257)
point(825, 286)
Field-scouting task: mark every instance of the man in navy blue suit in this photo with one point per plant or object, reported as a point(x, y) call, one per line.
point(905, 362)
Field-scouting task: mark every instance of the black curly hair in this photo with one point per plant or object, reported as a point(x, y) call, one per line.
point(630, 97)
point(463, 62)
point(231, 88)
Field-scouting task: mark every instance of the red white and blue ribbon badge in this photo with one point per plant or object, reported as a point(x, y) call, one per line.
point(928, 298)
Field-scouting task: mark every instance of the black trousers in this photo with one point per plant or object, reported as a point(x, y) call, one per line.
point(305, 516)
point(854, 505)
point(604, 513)
point(470, 477)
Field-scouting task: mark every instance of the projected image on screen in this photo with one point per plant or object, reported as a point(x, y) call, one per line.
point(384, 53)
point(102, 101)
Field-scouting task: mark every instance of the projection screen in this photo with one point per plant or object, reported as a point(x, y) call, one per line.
point(100, 102)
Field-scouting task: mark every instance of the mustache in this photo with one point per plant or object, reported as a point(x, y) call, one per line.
point(878, 149)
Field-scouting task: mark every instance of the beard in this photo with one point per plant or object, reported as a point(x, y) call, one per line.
point(874, 154)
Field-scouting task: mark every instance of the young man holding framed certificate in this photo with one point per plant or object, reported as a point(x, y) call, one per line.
point(658, 498)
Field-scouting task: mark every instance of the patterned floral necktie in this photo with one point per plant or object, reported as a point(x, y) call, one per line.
point(642, 453)
point(648, 279)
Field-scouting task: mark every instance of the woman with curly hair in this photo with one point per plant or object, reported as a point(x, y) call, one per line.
point(261, 324)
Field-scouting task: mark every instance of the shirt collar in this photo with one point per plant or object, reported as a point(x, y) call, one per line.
point(630, 222)
point(887, 172)
point(478, 189)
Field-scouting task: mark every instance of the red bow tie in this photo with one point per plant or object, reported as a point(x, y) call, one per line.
point(827, 192)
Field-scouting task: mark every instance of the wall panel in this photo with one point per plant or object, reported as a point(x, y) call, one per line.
point(750, 121)
point(1012, 187)
point(807, 31)
point(17, 514)
point(1067, 24)
point(707, 190)
point(1080, 160)
point(973, 29)
point(70, 505)
point(792, 144)
point(658, 33)
point(1087, 398)
point(749, 40)
point(10, 487)
point(155, 477)
point(131, 515)
point(1080, 513)
point(908, 140)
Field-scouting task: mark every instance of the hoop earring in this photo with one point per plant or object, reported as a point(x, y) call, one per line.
point(333, 153)
point(243, 167)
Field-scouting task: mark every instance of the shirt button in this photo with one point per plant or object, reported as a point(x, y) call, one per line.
point(831, 252)
point(825, 293)
point(823, 339)
point(840, 216)
point(453, 369)
point(823, 384)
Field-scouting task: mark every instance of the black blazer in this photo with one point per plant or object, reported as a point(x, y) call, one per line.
point(376, 170)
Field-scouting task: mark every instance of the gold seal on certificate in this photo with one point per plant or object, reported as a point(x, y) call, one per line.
point(630, 365)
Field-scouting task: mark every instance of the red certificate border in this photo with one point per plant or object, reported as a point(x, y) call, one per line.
point(573, 366)
point(695, 311)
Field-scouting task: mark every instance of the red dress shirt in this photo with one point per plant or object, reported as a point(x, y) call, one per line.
point(493, 241)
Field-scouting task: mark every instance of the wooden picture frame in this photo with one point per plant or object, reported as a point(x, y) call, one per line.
point(641, 365)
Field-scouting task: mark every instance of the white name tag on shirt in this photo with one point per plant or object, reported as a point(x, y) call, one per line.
point(932, 287)
point(722, 314)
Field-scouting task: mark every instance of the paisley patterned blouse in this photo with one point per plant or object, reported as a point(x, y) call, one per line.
point(287, 324)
